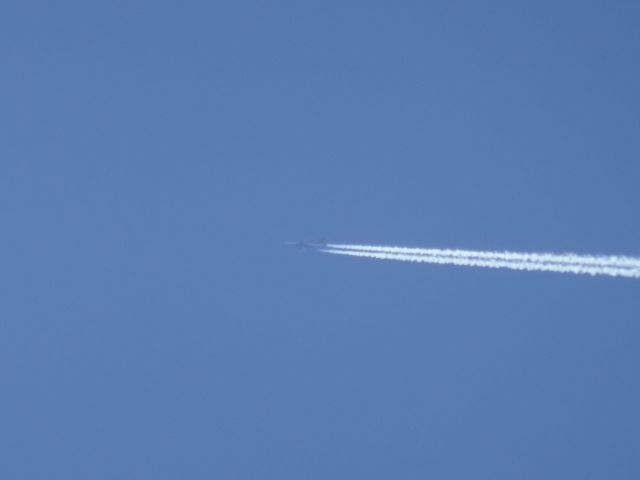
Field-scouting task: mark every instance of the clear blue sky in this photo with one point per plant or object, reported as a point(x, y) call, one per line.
point(154, 157)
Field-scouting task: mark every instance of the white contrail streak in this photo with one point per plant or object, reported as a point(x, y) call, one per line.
point(564, 258)
point(439, 258)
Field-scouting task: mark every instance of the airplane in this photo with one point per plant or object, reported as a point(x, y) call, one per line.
point(308, 245)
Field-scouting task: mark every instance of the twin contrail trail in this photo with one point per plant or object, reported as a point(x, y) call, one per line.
point(614, 266)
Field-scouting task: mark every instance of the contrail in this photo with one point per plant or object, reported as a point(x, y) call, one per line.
point(569, 263)
point(564, 258)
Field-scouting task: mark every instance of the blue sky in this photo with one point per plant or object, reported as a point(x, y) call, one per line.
point(156, 155)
